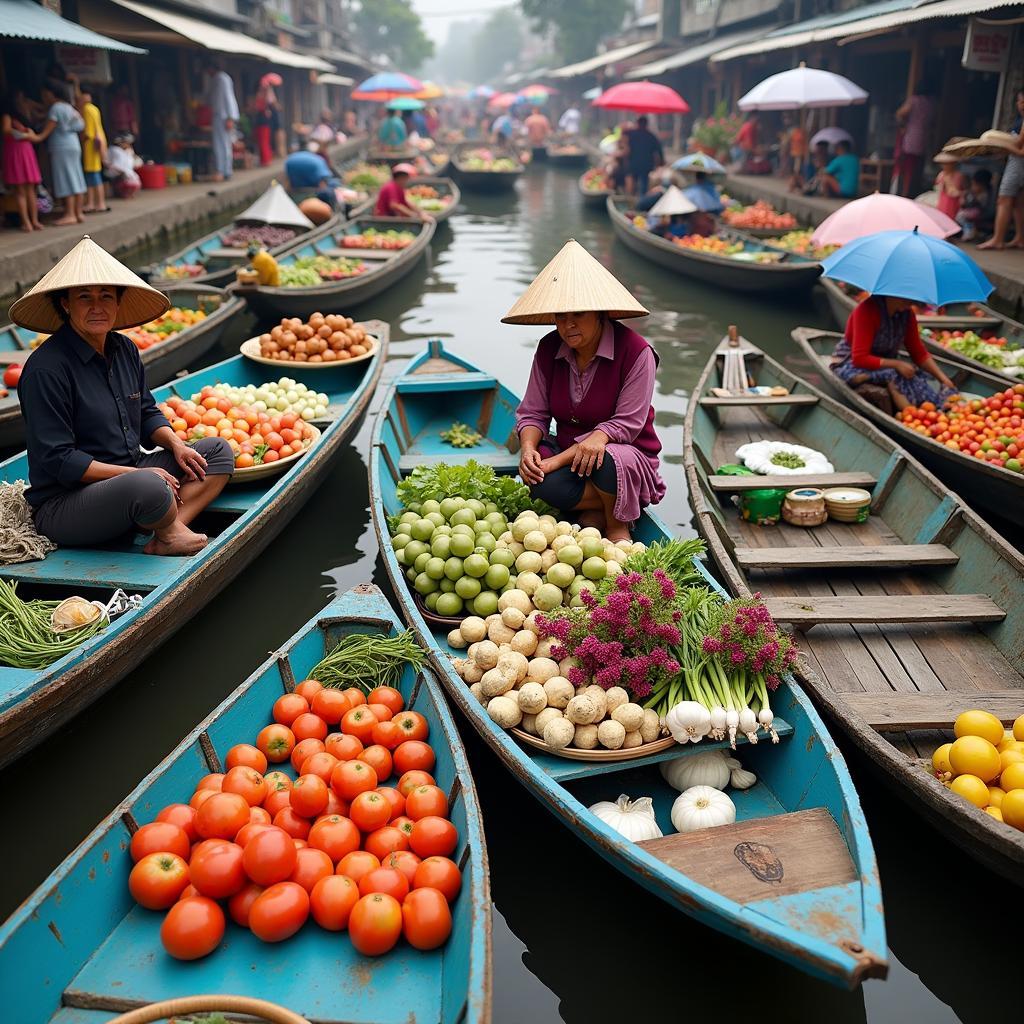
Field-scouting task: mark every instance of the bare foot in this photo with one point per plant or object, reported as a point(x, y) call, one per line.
point(1017, 243)
point(27, 227)
point(64, 222)
point(79, 220)
point(181, 543)
point(990, 244)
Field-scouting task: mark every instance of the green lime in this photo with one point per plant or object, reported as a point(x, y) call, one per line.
point(450, 506)
point(453, 568)
point(490, 507)
point(444, 530)
point(477, 507)
point(403, 558)
point(421, 562)
point(594, 568)
point(502, 556)
point(441, 547)
point(422, 529)
point(447, 587)
point(581, 583)
point(449, 604)
point(399, 541)
point(434, 568)
point(436, 518)
point(415, 506)
point(561, 575)
point(424, 584)
point(481, 526)
point(462, 546)
point(464, 530)
point(431, 600)
point(547, 596)
point(409, 517)
point(414, 549)
point(467, 587)
point(497, 529)
point(485, 603)
point(497, 576)
point(571, 554)
point(464, 517)
point(475, 565)
point(486, 541)
point(592, 547)
point(495, 517)
point(411, 574)
point(430, 506)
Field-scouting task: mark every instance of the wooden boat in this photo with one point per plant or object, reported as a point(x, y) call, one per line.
point(162, 361)
point(998, 490)
point(384, 268)
point(827, 918)
point(79, 948)
point(788, 273)
point(595, 200)
point(906, 619)
point(568, 153)
point(241, 522)
point(445, 187)
point(484, 181)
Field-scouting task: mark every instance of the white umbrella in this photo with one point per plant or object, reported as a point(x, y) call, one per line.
point(671, 203)
point(803, 88)
point(275, 206)
point(592, 94)
point(830, 136)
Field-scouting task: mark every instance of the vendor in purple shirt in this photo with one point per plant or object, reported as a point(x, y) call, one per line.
point(595, 378)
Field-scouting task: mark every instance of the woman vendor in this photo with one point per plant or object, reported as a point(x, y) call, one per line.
point(878, 332)
point(595, 377)
point(88, 412)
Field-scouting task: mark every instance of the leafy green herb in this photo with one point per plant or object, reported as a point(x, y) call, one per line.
point(368, 660)
point(788, 459)
point(467, 480)
point(674, 557)
point(459, 435)
point(257, 455)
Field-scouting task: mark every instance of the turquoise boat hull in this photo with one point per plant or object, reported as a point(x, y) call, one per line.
point(80, 950)
point(836, 931)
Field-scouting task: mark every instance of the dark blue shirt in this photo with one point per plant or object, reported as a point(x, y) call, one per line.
point(81, 407)
point(306, 170)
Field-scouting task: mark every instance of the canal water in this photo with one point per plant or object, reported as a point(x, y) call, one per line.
point(572, 939)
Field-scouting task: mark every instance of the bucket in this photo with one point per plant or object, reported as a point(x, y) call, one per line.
point(763, 506)
point(152, 176)
point(184, 173)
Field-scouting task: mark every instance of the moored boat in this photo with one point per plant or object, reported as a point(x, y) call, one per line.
point(564, 151)
point(784, 271)
point(906, 619)
point(80, 947)
point(991, 487)
point(447, 191)
point(782, 811)
point(468, 174)
point(594, 198)
point(241, 522)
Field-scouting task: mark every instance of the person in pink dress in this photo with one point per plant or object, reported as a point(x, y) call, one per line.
point(951, 184)
point(20, 167)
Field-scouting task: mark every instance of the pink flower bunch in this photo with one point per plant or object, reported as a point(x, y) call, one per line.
point(744, 635)
point(623, 638)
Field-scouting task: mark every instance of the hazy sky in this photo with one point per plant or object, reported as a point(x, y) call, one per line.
point(437, 15)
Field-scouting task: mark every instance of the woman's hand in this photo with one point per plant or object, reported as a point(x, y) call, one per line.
point(530, 468)
point(590, 453)
point(192, 463)
point(168, 478)
point(904, 369)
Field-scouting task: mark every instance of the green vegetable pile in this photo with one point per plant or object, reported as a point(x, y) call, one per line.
point(292, 276)
point(328, 269)
point(27, 639)
point(367, 177)
point(468, 480)
point(459, 435)
point(788, 460)
point(369, 660)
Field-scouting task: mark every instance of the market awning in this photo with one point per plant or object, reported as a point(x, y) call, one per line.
point(602, 60)
point(23, 19)
point(695, 54)
point(331, 79)
point(859, 21)
point(213, 37)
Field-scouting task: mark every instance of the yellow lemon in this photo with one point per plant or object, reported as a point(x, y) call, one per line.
point(940, 759)
point(979, 723)
point(1007, 742)
point(972, 755)
point(971, 788)
point(1008, 757)
point(1012, 777)
point(1012, 808)
point(995, 796)
point(995, 812)
point(1018, 728)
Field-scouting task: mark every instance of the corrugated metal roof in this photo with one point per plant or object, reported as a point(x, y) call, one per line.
point(693, 54)
point(23, 19)
point(602, 60)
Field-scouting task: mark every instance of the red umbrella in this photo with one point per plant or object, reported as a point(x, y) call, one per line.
point(502, 101)
point(526, 90)
point(644, 98)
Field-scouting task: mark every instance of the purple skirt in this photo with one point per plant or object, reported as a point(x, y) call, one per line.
point(20, 164)
point(922, 387)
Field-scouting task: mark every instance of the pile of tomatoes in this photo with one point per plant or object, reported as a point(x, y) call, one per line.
point(990, 429)
point(334, 843)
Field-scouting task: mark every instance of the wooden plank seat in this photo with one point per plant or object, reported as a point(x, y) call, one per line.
point(806, 611)
point(338, 251)
point(499, 461)
point(727, 484)
point(906, 712)
point(739, 400)
point(97, 568)
point(226, 253)
point(468, 381)
point(882, 556)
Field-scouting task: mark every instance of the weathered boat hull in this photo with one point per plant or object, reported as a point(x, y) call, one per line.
point(446, 186)
point(483, 181)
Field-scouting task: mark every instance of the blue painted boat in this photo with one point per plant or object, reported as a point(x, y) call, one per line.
point(241, 522)
point(79, 950)
point(823, 913)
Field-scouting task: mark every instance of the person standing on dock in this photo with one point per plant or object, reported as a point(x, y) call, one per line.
point(644, 155)
point(224, 106)
point(538, 131)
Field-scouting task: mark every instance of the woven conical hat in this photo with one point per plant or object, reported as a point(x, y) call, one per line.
point(671, 203)
point(87, 264)
point(573, 282)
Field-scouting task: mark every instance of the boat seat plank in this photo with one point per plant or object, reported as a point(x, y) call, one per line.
point(466, 381)
point(500, 461)
point(95, 567)
point(808, 611)
point(886, 556)
point(901, 712)
point(340, 252)
point(735, 400)
point(226, 253)
point(762, 858)
point(727, 484)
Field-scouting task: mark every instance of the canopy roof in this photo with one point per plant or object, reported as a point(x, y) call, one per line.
point(23, 19)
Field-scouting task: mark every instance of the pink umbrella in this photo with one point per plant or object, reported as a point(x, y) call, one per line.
point(881, 212)
point(527, 90)
point(644, 98)
point(502, 101)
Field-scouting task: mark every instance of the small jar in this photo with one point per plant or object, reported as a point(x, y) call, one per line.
point(805, 506)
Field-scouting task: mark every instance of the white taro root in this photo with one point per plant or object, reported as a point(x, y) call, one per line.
point(471, 672)
point(629, 716)
point(544, 647)
point(505, 712)
point(515, 599)
point(616, 696)
point(567, 663)
point(559, 691)
point(541, 670)
point(478, 691)
point(586, 737)
point(525, 642)
point(473, 629)
point(486, 654)
point(610, 734)
point(581, 710)
point(651, 728)
point(547, 715)
point(598, 696)
point(500, 633)
point(496, 682)
point(513, 663)
point(490, 621)
point(532, 698)
point(529, 724)
point(531, 620)
point(513, 618)
point(633, 739)
point(560, 542)
point(456, 639)
point(547, 559)
point(559, 733)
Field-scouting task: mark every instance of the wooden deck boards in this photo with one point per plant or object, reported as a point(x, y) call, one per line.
point(900, 712)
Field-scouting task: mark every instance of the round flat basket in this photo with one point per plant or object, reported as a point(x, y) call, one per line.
point(250, 348)
point(665, 743)
point(253, 473)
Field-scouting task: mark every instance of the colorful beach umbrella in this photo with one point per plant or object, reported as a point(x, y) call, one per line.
point(802, 88)
point(909, 265)
point(430, 91)
point(694, 162)
point(502, 101)
point(882, 212)
point(534, 88)
point(481, 92)
point(406, 103)
point(643, 97)
point(386, 85)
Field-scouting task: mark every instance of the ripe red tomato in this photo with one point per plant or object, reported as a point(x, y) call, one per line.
point(359, 722)
point(424, 800)
point(394, 798)
point(387, 735)
point(350, 778)
point(276, 742)
point(375, 923)
point(379, 759)
point(199, 797)
point(309, 688)
point(277, 780)
point(259, 816)
point(288, 707)
point(248, 832)
point(335, 805)
point(241, 903)
point(216, 869)
point(413, 725)
point(356, 864)
point(426, 919)
point(355, 695)
point(413, 755)
point(309, 727)
point(12, 375)
point(385, 841)
point(247, 783)
point(277, 801)
point(192, 928)
point(432, 836)
point(279, 912)
point(389, 880)
point(332, 900)
point(188, 892)
point(222, 816)
point(381, 712)
point(330, 705)
point(370, 811)
point(310, 866)
point(439, 873)
point(343, 747)
point(212, 781)
point(388, 696)
point(160, 837)
point(294, 824)
point(308, 796)
point(405, 861)
point(183, 816)
point(320, 763)
point(304, 750)
point(269, 856)
point(404, 825)
point(158, 880)
point(410, 780)
point(247, 756)
point(336, 836)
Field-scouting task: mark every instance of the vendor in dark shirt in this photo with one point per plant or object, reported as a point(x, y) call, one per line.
point(88, 411)
point(644, 155)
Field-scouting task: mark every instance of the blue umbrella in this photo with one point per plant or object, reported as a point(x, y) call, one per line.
point(378, 87)
point(481, 92)
point(909, 265)
point(704, 196)
point(699, 162)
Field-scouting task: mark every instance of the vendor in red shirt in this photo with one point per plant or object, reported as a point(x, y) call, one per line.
point(880, 335)
point(392, 200)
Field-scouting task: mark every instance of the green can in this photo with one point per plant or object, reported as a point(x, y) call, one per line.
point(762, 507)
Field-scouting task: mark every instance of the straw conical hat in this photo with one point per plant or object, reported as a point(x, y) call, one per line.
point(990, 143)
point(573, 282)
point(671, 203)
point(275, 206)
point(86, 265)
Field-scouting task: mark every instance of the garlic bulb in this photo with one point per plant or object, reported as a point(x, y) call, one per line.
point(702, 807)
point(688, 721)
point(739, 777)
point(632, 818)
point(708, 768)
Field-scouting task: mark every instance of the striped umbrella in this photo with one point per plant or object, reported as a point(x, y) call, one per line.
point(387, 85)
